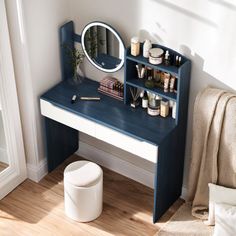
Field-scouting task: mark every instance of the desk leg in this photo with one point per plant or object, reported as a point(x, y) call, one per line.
point(61, 142)
point(169, 175)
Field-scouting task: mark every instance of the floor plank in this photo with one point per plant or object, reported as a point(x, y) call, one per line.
point(38, 208)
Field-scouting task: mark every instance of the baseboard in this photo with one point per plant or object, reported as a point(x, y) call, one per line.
point(116, 164)
point(36, 173)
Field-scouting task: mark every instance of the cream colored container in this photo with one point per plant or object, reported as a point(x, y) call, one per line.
point(146, 47)
point(153, 111)
point(135, 46)
point(156, 56)
point(164, 108)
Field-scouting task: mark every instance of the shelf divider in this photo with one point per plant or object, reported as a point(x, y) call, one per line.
point(139, 83)
point(144, 61)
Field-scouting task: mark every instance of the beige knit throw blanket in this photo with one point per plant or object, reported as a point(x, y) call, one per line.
point(213, 157)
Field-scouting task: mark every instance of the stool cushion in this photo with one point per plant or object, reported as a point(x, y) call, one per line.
point(82, 173)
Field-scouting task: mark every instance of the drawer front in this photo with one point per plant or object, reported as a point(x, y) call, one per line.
point(115, 138)
point(67, 118)
point(132, 145)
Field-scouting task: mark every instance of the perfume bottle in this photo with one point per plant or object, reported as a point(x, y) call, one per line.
point(149, 83)
point(145, 100)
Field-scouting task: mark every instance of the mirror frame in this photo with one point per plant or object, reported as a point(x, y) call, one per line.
point(99, 23)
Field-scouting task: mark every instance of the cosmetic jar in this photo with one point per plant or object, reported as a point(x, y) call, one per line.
point(153, 111)
point(154, 101)
point(156, 56)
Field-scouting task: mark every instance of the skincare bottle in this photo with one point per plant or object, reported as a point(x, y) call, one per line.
point(166, 82)
point(164, 108)
point(145, 100)
point(135, 46)
point(146, 47)
point(149, 72)
point(177, 61)
point(167, 58)
point(172, 83)
point(174, 111)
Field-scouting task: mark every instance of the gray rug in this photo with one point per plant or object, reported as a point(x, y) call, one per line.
point(182, 223)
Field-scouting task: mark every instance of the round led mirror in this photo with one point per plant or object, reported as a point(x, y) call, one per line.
point(103, 46)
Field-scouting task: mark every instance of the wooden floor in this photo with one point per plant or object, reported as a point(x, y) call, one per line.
point(37, 209)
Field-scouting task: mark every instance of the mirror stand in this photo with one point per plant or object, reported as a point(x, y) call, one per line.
point(67, 37)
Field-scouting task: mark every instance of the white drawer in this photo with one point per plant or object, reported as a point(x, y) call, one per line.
point(132, 145)
point(67, 118)
point(115, 138)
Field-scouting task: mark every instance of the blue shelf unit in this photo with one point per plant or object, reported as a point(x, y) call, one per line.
point(167, 133)
point(171, 150)
point(181, 73)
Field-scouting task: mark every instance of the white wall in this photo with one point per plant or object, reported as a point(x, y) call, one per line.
point(42, 20)
point(33, 28)
point(202, 30)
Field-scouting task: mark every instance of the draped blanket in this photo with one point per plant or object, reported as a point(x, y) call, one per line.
point(213, 157)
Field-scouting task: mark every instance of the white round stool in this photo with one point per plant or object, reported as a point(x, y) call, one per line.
point(83, 191)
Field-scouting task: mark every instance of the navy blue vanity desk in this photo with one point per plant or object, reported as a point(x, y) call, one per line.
point(156, 139)
point(62, 140)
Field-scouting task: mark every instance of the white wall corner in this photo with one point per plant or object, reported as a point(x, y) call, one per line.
point(37, 172)
point(24, 83)
point(116, 164)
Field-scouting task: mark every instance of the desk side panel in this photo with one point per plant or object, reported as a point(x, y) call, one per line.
point(61, 142)
point(169, 172)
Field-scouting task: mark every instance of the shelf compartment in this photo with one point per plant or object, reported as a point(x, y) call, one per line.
point(142, 60)
point(139, 83)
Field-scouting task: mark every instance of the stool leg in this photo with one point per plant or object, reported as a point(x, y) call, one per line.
point(61, 142)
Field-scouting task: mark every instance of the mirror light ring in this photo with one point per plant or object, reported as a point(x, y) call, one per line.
point(99, 23)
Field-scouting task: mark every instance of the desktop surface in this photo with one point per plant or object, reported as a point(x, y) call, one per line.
point(110, 112)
